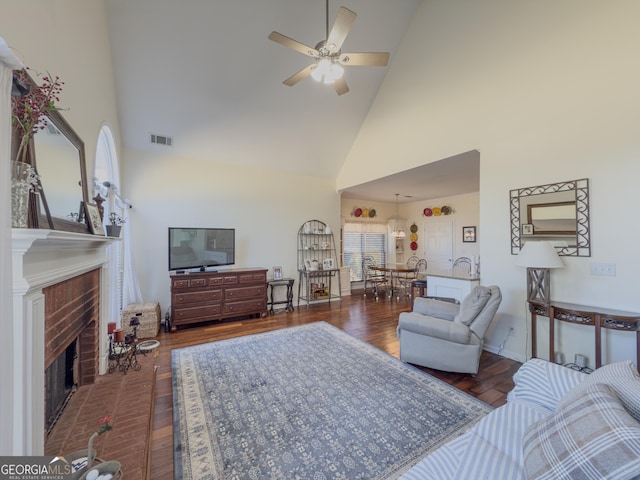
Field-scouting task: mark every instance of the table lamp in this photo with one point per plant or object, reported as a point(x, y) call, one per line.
point(538, 257)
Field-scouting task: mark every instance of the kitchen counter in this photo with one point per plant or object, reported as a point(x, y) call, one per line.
point(451, 285)
point(457, 276)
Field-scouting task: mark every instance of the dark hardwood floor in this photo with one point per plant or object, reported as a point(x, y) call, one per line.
point(141, 401)
point(362, 317)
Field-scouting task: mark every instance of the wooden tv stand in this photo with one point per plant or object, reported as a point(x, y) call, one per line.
point(204, 296)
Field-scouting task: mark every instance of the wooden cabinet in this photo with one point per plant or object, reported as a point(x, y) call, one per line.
point(204, 296)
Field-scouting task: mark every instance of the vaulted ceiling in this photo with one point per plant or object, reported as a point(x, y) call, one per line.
point(204, 73)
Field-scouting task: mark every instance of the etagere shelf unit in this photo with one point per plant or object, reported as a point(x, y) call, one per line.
point(317, 263)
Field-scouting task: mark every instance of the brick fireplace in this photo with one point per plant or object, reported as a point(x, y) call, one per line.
point(60, 292)
point(71, 319)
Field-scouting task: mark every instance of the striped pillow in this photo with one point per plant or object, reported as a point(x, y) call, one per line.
point(591, 438)
point(544, 383)
point(622, 377)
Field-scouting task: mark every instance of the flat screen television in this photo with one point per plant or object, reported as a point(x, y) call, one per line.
point(191, 248)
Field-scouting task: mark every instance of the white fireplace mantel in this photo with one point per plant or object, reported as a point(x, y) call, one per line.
point(41, 258)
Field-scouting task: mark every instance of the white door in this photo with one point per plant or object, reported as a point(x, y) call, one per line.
point(438, 244)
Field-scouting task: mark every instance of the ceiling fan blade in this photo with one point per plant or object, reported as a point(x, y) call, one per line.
point(367, 59)
point(301, 75)
point(340, 29)
point(341, 86)
point(293, 44)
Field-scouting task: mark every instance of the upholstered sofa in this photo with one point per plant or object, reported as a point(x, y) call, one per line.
point(557, 424)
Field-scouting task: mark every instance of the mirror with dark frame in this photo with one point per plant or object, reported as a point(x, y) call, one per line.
point(57, 153)
point(556, 212)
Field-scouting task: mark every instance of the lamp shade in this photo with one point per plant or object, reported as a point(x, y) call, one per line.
point(539, 255)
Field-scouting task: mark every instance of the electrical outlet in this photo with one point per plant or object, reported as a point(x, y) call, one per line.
point(606, 269)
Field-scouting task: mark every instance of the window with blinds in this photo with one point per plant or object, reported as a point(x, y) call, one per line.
point(360, 240)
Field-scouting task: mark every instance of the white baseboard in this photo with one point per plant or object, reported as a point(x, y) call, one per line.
point(506, 353)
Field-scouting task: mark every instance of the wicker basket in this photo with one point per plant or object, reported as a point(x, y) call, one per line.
point(149, 316)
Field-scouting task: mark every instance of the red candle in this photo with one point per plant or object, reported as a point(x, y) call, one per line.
point(118, 335)
point(111, 326)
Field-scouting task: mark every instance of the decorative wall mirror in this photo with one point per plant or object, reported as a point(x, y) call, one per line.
point(557, 212)
point(57, 153)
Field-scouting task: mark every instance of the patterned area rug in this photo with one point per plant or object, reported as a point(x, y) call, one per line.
point(307, 402)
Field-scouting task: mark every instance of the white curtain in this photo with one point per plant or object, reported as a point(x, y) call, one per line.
point(127, 282)
point(124, 283)
point(8, 348)
point(130, 287)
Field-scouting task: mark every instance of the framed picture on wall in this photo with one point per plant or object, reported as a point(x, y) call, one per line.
point(94, 220)
point(277, 273)
point(469, 234)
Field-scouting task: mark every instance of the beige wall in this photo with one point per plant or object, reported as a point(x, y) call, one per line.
point(266, 208)
point(546, 91)
point(465, 212)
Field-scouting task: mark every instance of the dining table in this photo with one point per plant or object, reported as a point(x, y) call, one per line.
point(395, 272)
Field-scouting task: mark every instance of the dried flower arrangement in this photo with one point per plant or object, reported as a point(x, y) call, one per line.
point(29, 112)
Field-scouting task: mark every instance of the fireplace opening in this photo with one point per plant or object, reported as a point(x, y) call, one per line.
point(61, 381)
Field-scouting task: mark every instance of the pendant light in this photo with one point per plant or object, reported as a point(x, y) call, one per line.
point(397, 231)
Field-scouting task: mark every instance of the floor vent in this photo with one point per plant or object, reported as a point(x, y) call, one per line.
point(161, 140)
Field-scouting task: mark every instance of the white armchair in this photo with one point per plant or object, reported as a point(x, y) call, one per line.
point(447, 336)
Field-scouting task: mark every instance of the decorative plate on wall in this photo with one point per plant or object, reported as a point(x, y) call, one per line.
point(413, 237)
point(413, 246)
point(436, 212)
point(358, 212)
point(446, 210)
point(372, 213)
point(427, 212)
point(414, 228)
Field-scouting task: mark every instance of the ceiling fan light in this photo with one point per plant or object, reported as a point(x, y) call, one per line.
point(337, 71)
point(321, 71)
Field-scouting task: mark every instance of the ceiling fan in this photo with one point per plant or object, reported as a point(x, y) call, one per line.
point(328, 56)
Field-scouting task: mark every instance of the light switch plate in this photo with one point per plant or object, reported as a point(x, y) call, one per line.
point(606, 269)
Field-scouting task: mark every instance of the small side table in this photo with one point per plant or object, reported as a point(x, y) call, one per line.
point(283, 282)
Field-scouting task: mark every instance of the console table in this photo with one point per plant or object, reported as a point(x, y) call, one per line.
point(584, 315)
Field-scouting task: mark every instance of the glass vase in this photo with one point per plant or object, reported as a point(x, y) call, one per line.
point(22, 182)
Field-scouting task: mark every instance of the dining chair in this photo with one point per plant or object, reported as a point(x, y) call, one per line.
point(412, 260)
point(421, 269)
point(405, 279)
point(462, 265)
point(373, 277)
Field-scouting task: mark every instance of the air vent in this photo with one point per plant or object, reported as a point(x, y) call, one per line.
point(161, 140)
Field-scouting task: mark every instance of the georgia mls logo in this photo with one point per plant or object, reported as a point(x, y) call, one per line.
point(35, 468)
